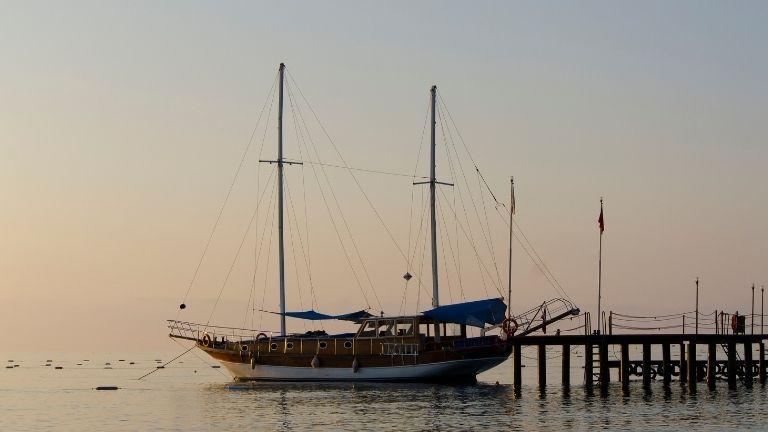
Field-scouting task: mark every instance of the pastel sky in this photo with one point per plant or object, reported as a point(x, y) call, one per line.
point(122, 123)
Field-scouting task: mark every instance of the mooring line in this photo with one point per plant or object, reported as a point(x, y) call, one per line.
point(166, 363)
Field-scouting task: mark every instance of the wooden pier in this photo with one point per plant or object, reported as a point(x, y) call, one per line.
point(688, 370)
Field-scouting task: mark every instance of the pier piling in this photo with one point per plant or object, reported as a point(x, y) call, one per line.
point(517, 374)
point(683, 365)
point(542, 367)
point(566, 366)
point(749, 375)
point(692, 369)
point(646, 365)
point(711, 365)
point(666, 363)
point(731, 365)
point(624, 373)
point(605, 372)
point(761, 363)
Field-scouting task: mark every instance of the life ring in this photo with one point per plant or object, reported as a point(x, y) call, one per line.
point(206, 340)
point(261, 336)
point(638, 370)
point(509, 326)
point(244, 348)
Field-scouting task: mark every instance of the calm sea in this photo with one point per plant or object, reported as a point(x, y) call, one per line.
point(190, 395)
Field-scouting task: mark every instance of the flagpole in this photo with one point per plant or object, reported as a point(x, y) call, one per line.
point(509, 265)
point(600, 269)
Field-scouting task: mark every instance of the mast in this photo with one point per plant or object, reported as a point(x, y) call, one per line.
point(433, 218)
point(281, 239)
point(509, 265)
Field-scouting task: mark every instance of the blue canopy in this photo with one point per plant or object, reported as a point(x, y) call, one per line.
point(475, 313)
point(313, 315)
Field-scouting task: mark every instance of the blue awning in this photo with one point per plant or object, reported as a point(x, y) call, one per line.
point(313, 315)
point(475, 313)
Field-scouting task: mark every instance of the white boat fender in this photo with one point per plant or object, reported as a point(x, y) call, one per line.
point(253, 362)
point(315, 362)
point(355, 365)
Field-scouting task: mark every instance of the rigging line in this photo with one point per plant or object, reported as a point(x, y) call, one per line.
point(453, 255)
point(445, 262)
point(229, 192)
point(486, 235)
point(412, 255)
point(351, 173)
point(166, 363)
point(267, 226)
point(489, 243)
point(301, 243)
point(337, 202)
point(258, 244)
point(456, 263)
point(293, 248)
point(526, 244)
point(476, 253)
point(234, 261)
point(330, 217)
point(392, 173)
point(464, 209)
point(307, 254)
point(201, 359)
point(269, 255)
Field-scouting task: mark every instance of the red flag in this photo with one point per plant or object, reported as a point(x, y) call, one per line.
point(600, 220)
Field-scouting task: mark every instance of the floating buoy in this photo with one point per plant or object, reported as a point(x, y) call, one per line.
point(10, 361)
point(161, 367)
point(132, 363)
point(79, 364)
point(9, 367)
point(215, 366)
point(121, 360)
point(355, 365)
point(315, 362)
point(58, 367)
point(108, 364)
point(182, 306)
point(47, 364)
point(107, 388)
point(48, 361)
point(16, 365)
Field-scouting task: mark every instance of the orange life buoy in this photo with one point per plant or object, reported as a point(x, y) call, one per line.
point(206, 340)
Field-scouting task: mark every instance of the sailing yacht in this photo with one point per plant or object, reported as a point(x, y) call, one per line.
point(430, 346)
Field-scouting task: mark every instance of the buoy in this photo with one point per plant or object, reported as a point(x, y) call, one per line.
point(182, 306)
point(47, 364)
point(215, 366)
point(16, 365)
point(161, 367)
point(132, 363)
point(58, 367)
point(355, 365)
point(108, 364)
point(107, 388)
point(9, 367)
point(48, 361)
point(10, 361)
point(121, 360)
point(79, 364)
point(315, 362)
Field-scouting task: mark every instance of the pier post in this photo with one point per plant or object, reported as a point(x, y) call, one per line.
point(566, 366)
point(731, 365)
point(517, 374)
point(542, 367)
point(749, 374)
point(761, 364)
point(605, 372)
point(624, 367)
point(666, 356)
point(646, 365)
point(711, 366)
point(683, 365)
point(588, 377)
point(692, 369)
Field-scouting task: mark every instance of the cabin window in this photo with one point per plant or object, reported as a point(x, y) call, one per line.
point(289, 345)
point(385, 328)
point(323, 345)
point(369, 330)
point(347, 344)
point(404, 327)
point(273, 346)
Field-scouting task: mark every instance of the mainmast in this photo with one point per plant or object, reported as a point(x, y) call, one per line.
point(509, 267)
point(433, 217)
point(281, 239)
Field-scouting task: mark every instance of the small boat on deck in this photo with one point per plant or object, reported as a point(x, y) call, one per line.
point(433, 345)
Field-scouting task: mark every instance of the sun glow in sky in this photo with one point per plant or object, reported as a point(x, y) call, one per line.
point(122, 123)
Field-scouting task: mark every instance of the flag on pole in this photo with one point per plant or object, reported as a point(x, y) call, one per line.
point(512, 202)
point(601, 220)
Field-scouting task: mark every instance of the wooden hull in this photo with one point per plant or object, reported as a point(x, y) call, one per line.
point(366, 360)
point(448, 371)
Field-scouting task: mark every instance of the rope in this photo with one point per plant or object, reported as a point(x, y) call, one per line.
point(271, 99)
point(367, 170)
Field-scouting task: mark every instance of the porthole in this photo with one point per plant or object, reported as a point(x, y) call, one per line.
point(244, 348)
point(323, 345)
point(273, 346)
point(289, 345)
point(348, 344)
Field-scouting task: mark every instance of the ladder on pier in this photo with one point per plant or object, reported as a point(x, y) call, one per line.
point(739, 373)
point(596, 363)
